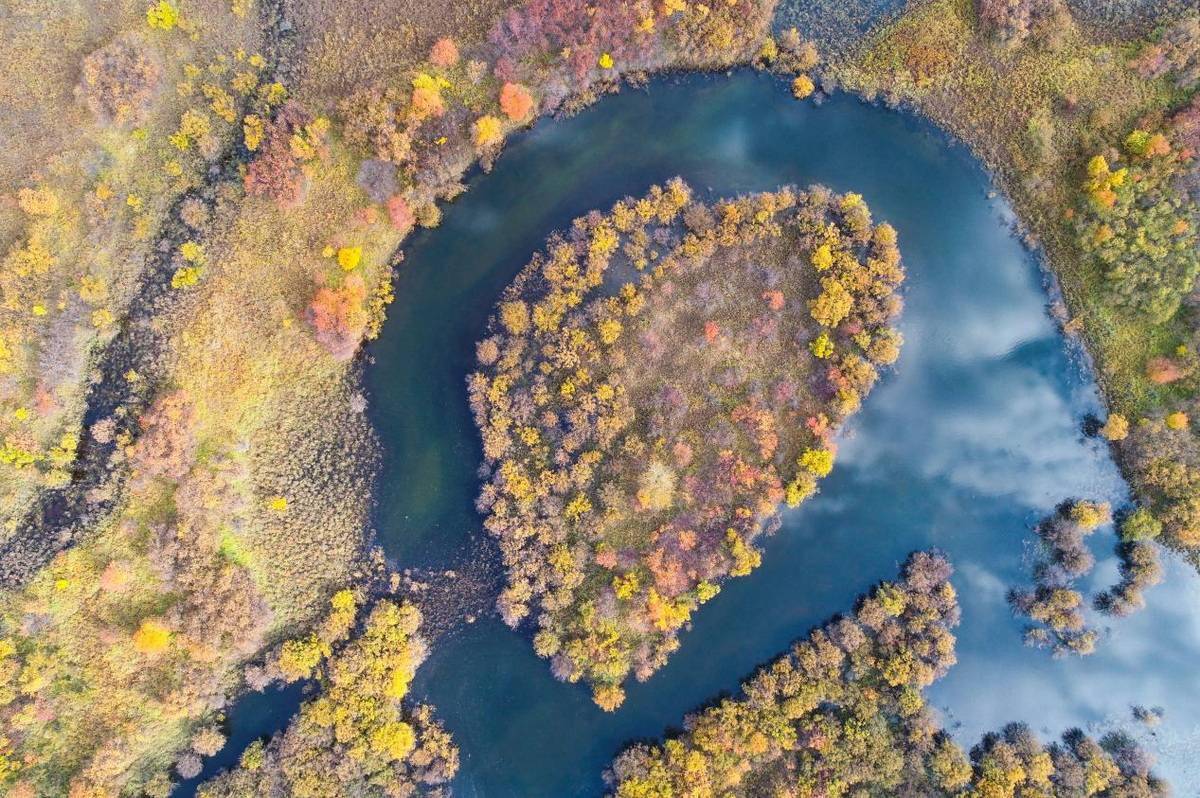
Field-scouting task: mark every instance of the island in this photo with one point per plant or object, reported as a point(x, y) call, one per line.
point(655, 384)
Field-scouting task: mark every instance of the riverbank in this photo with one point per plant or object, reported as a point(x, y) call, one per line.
point(1037, 112)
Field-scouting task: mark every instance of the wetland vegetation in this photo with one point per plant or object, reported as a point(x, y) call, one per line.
point(207, 206)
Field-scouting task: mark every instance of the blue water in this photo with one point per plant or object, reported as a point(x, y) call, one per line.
point(975, 436)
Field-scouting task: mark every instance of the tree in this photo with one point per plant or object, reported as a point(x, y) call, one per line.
point(167, 444)
point(802, 87)
point(401, 214)
point(489, 131)
point(1116, 428)
point(339, 316)
point(1014, 21)
point(1140, 525)
point(516, 102)
point(444, 53)
point(290, 139)
point(298, 658)
point(152, 637)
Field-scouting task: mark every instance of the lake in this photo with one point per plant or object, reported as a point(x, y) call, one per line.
point(974, 437)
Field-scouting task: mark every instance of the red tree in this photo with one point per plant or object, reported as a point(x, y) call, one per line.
point(516, 102)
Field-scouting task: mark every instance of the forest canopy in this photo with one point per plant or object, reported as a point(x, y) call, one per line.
point(654, 385)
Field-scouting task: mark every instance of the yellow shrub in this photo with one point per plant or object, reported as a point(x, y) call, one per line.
point(38, 201)
point(817, 461)
point(489, 130)
point(349, 257)
point(802, 87)
point(151, 637)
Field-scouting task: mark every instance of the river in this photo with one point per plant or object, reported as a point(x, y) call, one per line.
point(973, 438)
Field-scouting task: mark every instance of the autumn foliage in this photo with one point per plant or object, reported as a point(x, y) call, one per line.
point(631, 468)
point(516, 102)
point(1014, 21)
point(358, 735)
point(1053, 604)
point(119, 80)
point(589, 38)
point(338, 316)
point(277, 170)
point(444, 53)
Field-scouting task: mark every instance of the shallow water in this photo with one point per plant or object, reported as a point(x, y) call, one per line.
point(973, 438)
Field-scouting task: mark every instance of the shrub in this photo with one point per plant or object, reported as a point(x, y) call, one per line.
point(444, 53)
point(119, 80)
point(1014, 21)
point(1116, 428)
point(292, 137)
point(516, 102)
point(339, 316)
point(152, 637)
point(1141, 525)
point(488, 132)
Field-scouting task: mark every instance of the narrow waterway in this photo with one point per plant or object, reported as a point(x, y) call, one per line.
point(975, 436)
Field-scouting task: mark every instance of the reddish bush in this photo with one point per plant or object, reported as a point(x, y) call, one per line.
point(402, 216)
point(168, 442)
point(1185, 126)
point(444, 53)
point(1177, 53)
point(1163, 371)
point(276, 172)
point(585, 29)
point(516, 102)
point(338, 316)
point(1185, 132)
point(118, 81)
